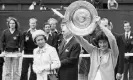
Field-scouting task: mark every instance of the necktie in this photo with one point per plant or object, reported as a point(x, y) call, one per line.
point(64, 43)
point(126, 36)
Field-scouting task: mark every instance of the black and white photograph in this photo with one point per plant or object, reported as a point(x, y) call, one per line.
point(66, 40)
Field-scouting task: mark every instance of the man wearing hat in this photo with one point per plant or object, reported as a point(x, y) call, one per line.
point(69, 51)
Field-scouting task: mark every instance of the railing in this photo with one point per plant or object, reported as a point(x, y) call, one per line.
point(31, 56)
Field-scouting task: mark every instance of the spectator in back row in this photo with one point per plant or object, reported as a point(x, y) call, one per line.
point(128, 42)
point(112, 4)
point(53, 24)
point(49, 35)
point(1, 66)
point(28, 46)
point(10, 42)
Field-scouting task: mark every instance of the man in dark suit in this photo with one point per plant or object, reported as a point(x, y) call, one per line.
point(69, 51)
point(120, 65)
point(49, 35)
point(128, 41)
point(55, 33)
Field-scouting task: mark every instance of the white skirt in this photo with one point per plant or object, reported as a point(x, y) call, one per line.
point(98, 75)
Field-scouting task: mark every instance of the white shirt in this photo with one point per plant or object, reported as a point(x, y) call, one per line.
point(12, 31)
point(67, 40)
point(98, 75)
point(32, 30)
point(47, 35)
point(128, 34)
point(32, 7)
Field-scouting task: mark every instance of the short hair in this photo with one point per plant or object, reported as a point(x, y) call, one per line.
point(15, 20)
point(109, 22)
point(126, 22)
point(101, 36)
point(33, 19)
point(46, 23)
point(52, 19)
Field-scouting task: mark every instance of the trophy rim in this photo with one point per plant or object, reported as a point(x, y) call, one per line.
point(70, 11)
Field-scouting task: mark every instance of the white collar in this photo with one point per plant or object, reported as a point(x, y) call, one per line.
point(67, 40)
point(128, 33)
point(54, 31)
point(47, 35)
point(43, 49)
point(31, 31)
point(50, 33)
point(12, 31)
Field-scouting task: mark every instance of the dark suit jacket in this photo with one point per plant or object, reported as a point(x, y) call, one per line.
point(55, 42)
point(120, 63)
point(128, 45)
point(50, 40)
point(1, 58)
point(27, 45)
point(69, 57)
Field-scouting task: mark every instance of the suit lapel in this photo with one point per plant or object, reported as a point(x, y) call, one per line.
point(61, 46)
point(123, 37)
point(68, 44)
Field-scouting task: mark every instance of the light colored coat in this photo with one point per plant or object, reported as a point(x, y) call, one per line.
point(109, 61)
point(42, 60)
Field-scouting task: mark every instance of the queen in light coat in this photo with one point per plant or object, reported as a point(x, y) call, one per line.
point(45, 56)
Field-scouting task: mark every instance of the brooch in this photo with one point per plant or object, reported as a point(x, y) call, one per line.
point(66, 50)
point(131, 37)
point(14, 37)
point(26, 38)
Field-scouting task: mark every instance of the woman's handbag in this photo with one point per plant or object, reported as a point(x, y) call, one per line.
point(52, 75)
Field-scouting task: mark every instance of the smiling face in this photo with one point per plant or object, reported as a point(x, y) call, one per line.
point(32, 23)
point(127, 27)
point(103, 44)
point(52, 22)
point(47, 28)
point(40, 41)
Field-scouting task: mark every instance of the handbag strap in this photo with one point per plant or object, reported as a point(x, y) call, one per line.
point(52, 72)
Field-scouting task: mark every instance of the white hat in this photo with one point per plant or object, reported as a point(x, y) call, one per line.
point(38, 33)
